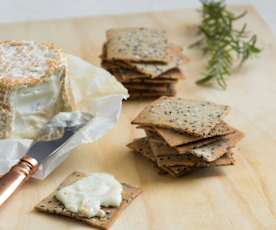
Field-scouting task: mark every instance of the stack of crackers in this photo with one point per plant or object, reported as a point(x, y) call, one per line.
point(143, 61)
point(183, 135)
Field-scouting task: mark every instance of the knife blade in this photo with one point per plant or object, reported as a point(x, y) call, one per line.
point(40, 151)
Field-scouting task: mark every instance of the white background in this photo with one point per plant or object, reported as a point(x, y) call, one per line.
point(26, 10)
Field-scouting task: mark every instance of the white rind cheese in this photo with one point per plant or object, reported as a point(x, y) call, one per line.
point(88, 195)
point(34, 106)
point(34, 87)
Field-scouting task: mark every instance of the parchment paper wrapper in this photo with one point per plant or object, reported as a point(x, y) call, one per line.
point(96, 92)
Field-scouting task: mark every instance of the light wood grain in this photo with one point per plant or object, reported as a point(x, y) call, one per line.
point(238, 197)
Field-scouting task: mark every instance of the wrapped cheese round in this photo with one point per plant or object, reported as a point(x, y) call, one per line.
point(34, 87)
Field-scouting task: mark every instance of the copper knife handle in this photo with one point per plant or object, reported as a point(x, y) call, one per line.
point(16, 177)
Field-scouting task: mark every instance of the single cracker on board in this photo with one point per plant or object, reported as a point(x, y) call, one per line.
point(184, 115)
point(137, 44)
point(174, 138)
point(51, 205)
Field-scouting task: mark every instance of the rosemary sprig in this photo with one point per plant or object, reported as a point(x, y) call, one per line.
point(222, 42)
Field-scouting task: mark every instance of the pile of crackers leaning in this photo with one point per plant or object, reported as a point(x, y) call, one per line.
point(183, 135)
point(143, 61)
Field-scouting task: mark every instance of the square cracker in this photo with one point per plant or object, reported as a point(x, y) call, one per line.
point(209, 152)
point(174, 138)
point(178, 171)
point(51, 205)
point(137, 44)
point(184, 115)
point(179, 167)
point(127, 75)
point(182, 149)
point(215, 150)
point(181, 170)
point(141, 146)
point(146, 95)
point(152, 70)
point(148, 87)
point(170, 158)
point(151, 81)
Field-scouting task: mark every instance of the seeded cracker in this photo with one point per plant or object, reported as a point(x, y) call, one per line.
point(51, 205)
point(168, 89)
point(225, 160)
point(144, 95)
point(183, 115)
point(142, 147)
point(178, 171)
point(123, 74)
point(176, 138)
point(182, 149)
point(152, 70)
point(170, 158)
point(137, 44)
point(217, 149)
point(126, 75)
point(150, 81)
point(148, 87)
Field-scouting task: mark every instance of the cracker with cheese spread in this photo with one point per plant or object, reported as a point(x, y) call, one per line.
point(51, 205)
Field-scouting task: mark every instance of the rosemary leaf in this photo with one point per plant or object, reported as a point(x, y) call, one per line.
point(222, 42)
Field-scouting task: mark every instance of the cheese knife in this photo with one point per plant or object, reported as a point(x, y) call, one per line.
point(39, 151)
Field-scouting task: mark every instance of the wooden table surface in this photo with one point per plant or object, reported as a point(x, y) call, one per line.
point(235, 197)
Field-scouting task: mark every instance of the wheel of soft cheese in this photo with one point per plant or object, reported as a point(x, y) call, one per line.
point(34, 87)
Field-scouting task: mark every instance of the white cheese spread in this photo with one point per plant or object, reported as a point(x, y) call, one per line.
point(87, 195)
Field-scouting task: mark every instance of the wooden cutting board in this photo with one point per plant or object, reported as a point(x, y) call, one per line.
point(235, 197)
